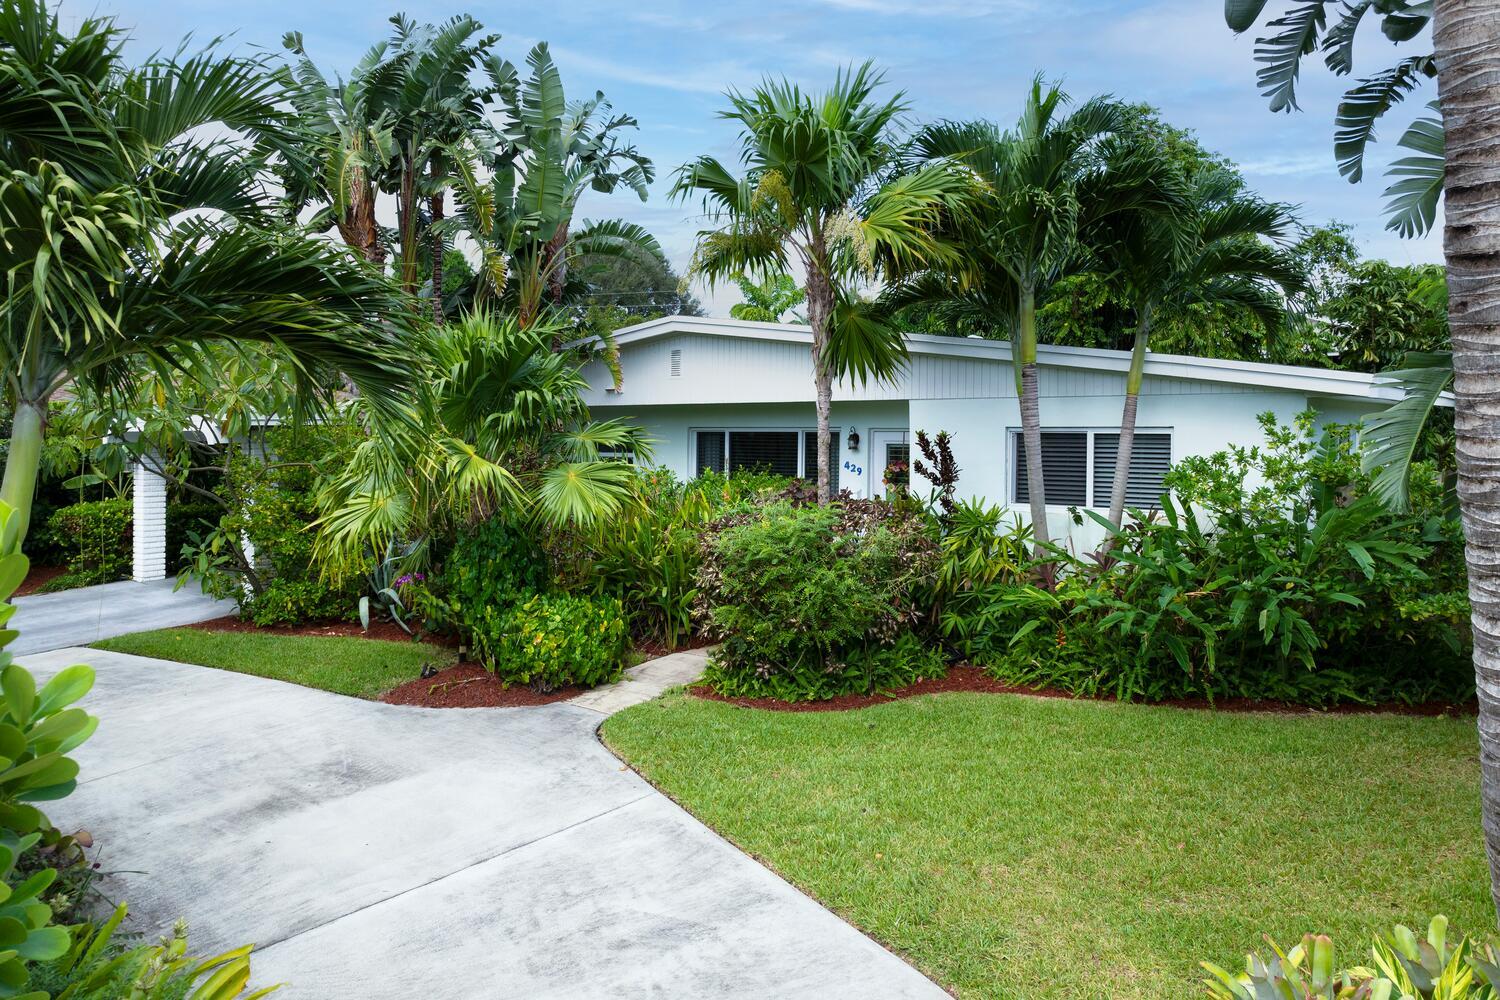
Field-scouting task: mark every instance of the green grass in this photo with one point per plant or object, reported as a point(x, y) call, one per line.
point(1031, 848)
point(363, 668)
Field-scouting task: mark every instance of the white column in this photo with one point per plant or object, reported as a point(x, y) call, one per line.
point(150, 528)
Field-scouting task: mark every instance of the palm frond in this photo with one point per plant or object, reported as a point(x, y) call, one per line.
point(581, 493)
point(1280, 55)
point(865, 344)
point(1418, 188)
point(1362, 106)
point(1388, 440)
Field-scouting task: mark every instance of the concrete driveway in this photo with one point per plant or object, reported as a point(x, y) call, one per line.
point(87, 614)
point(374, 851)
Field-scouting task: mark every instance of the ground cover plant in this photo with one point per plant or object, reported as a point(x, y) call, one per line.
point(361, 668)
point(954, 828)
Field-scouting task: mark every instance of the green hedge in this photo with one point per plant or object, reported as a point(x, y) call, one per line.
point(550, 641)
point(96, 540)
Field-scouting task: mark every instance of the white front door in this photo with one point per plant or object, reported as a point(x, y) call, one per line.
point(889, 452)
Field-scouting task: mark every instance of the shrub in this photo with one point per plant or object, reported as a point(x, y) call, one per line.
point(798, 592)
point(550, 641)
point(491, 568)
point(186, 518)
point(95, 538)
point(1401, 965)
point(864, 670)
point(1285, 580)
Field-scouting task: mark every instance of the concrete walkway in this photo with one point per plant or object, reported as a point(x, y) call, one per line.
point(87, 614)
point(376, 851)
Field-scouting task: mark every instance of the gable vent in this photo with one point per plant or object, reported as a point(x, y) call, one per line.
point(676, 363)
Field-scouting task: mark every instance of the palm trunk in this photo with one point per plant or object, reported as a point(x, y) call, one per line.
point(27, 431)
point(358, 226)
point(1466, 36)
point(1031, 422)
point(435, 205)
point(819, 315)
point(1127, 419)
point(408, 222)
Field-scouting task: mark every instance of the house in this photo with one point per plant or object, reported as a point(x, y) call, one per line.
point(726, 394)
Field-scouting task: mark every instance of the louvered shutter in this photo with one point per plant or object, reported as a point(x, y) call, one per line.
point(1150, 458)
point(772, 450)
point(810, 457)
point(710, 452)
point(1065, 468)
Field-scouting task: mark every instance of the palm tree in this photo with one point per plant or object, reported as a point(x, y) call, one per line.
point(549, 153)
point(501, 429)
point(99, 162)
point(1215, 252)
point(819, 190)
point(767, 300)
point(1455, 161)
point(436, 105)
point(1043, 185)
point(347, 146)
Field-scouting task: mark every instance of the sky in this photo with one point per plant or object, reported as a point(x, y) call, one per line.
point(668, 63)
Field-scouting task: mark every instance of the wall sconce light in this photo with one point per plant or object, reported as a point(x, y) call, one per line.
point(853, 439)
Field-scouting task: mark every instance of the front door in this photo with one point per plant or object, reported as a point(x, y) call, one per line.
point(890, 462)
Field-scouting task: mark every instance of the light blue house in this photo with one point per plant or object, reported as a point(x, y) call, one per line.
point(726, 394)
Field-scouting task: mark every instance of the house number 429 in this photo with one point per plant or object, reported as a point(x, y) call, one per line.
point(858, 470)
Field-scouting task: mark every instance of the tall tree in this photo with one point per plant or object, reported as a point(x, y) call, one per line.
point(548, 154)
point(818, 194)
point(1456, 158)
point(1042, 185)
point(131, 237)
point(435, 106)
point(1218, 251)
point(346, 148)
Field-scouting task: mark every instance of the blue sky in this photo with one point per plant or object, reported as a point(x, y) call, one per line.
point(668, 61)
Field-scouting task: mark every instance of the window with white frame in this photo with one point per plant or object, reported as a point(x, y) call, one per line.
point(1079, 467)
point(785, 452)
point(626, 455)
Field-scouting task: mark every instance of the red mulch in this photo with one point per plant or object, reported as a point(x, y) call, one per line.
point(469, 685)
point(378, 630)
point(37, 578)
point(967, 678)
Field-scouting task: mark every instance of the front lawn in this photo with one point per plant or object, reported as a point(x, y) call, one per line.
point(1023, 847)
point(363, 668)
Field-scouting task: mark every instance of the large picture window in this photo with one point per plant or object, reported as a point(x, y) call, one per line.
point(792, 453)
point(1079, 467)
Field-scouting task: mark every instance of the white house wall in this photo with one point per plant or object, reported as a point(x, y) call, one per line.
point(716, 369)
point(729, 382)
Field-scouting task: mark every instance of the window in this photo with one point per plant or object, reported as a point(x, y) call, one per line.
point(626, 455)
point(1150, 458)
point(774, 451)
point(786, 453)
point(810, 458)
point(1079, 465)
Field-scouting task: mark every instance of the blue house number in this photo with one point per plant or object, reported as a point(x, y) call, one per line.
point(858, 470)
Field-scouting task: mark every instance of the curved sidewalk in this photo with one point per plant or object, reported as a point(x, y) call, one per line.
point(376, 851)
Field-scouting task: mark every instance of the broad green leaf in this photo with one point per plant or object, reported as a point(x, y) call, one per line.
point(66, 687)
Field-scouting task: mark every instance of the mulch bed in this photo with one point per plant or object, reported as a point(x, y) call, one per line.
point(37, 578)
point(967, 678)
point(469, 685)
point(389, 631)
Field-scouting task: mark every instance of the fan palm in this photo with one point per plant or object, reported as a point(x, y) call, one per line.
point(1043, 186)
point(501, 428)
point(129, 239)
point(818, 191)
point(542, 161)
point(1219, 250)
